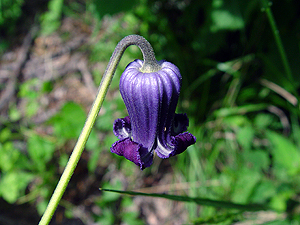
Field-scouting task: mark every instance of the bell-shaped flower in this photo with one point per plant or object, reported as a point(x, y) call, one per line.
point(152, 125)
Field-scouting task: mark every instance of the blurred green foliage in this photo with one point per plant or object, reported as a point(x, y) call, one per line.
point(10, 11)
point(103, 7)
point(50, 20)
point(235, 90)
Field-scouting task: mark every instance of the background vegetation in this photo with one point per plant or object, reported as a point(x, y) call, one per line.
point(239, 91)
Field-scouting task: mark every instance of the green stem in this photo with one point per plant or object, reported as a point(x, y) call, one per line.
point(149, 61)
point(277, 37)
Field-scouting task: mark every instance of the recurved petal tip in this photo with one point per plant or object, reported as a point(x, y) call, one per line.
point(122, 127)
point(175, 145)
point(133, 151)
point(182, 141)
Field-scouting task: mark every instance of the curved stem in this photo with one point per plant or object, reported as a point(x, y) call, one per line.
point(150, 64)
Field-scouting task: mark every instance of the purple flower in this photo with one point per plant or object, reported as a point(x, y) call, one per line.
point(152, 124)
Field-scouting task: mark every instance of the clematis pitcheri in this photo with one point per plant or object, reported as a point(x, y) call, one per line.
point(152, 125)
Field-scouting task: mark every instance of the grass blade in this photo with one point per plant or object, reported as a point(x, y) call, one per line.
point(198, 201)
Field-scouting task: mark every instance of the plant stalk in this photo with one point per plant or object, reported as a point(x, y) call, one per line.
point(149, 59)
point(278, 40)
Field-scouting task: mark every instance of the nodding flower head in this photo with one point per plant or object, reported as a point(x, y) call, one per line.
point(152, 125)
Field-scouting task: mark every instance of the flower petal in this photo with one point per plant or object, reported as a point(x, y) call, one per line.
point(133, 151)
point(182, 141)
point(177, 145)
point(170, 83)
point(140, 92)
point(152, 125)
point(122, 127)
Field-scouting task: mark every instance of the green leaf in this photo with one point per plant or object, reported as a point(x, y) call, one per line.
point(280, 200)
point(14, 113)
point(13, 185)
point(245, 136)
point(286, 154)
point(132, 218)
point(28, 89)
point(258, 159)
point(47, 86)
point(264, 191)
point(236, 121)
point(263, 120)
point(107, 217)
point(50, 20)
point(225, 20)
point(226, 16)
point(5, 134)
point(10, 11)
point(246, 182)
point(110, 196)
point(69, 122)
point(129, 216)
point(198, 201)
point(40, 150)
point(8, 156)
point(32, 107)
point(112, 7)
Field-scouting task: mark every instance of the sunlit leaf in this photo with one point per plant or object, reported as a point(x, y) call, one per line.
point(263, 120)
point(226, 16)
point(285, 153)
point(8, 156)
point(13, 184)
point(245, 136)
point(69, 121)
point(264, 191)
point(246, 182)
point(40, 150)
point(258, 159)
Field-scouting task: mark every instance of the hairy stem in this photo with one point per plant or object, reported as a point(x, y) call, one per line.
point(150, 64)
